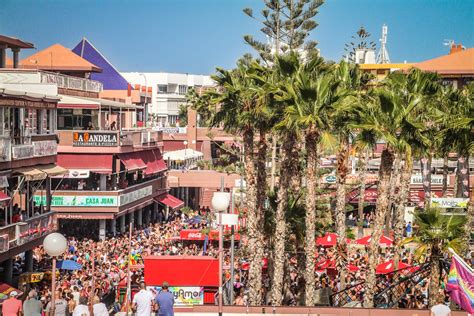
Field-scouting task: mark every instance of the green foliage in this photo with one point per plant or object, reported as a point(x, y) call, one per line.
point(183, 115)
point(361, 40)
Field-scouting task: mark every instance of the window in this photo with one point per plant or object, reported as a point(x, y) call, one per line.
point(381, 71)
point(162, 88)
point(77, 119)
point(182, 89)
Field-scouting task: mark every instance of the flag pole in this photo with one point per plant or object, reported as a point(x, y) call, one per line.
point(129, 279)
point(461, 260)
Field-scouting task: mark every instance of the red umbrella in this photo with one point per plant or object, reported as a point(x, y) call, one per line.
point(384, 241)
point(327, 240)
point(352, 267)
point(246, 265)
point(388, 267)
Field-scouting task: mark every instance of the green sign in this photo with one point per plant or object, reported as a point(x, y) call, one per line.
point(449, 202)
point(78, 200)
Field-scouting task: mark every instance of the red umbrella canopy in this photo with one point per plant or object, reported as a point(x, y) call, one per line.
point(384, 241)
point(327, 240)
point(389, 267)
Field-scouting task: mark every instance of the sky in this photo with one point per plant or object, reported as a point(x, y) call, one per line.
point(195, 36)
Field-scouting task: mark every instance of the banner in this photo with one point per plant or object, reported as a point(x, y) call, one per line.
point(196, 234)
point(183, 295)
point(449, 202)
point(77, 200)
point(461, 285)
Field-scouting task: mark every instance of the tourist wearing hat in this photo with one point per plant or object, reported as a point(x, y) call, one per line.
point(12, 306)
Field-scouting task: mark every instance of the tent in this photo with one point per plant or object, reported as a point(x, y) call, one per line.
point(329, 240)
point(384, 241)
point(388, 267)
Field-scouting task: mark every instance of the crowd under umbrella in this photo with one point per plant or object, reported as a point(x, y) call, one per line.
point(68, 265)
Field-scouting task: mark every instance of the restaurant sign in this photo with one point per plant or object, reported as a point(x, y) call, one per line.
point(78, 200)
point(449, 202)
point(95, 139)
point(183, 295)
point(435, 179)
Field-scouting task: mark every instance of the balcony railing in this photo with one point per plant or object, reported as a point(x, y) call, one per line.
point(28, 148)
point(69, 82)
point(17, 234)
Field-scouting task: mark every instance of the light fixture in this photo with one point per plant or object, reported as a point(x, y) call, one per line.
point(220, 201)
point(55, 244)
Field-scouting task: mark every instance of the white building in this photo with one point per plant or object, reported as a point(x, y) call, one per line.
point(168, 91)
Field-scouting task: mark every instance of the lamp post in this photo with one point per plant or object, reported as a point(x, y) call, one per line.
point(55, 245)
point(220, 203)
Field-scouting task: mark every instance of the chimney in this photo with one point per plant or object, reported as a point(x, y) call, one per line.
point(129, 90)
point(455, 48)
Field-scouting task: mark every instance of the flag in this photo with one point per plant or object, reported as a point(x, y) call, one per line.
point(460, 285)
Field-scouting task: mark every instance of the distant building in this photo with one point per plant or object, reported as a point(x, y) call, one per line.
point(168, 92)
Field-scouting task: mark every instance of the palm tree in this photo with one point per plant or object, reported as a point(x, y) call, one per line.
point(435, 234)
point(241, 111)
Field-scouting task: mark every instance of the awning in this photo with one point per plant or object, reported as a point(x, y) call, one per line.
point(53, 170)
point(170, 201)
point(99, 163)
point(31, 174)
point(154, 161)
point(4, 197)
point(68, 102)
point(110, 103)
point(132, 161)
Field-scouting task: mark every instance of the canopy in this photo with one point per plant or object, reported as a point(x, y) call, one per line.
point(53, 170)
point(246, 265)
point(384, 241)
point(329, 240)
point(99, 163)
point(388, 267)
point(331, 264)
point(132, 161)
point(171, 201)
point(183, 154)
point(69, 102)
point(5, 290)
point(31, 174)
point(68, 265)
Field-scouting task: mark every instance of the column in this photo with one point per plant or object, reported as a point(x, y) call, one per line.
point(155, 212)
point(48, 194)
point(103, 182)
point(102, 229)
point(16, 57)
point(122, 223)
point(186, 196)
point(3, 56)
point(8, 271)
point(29, 260)
point(140, 217)
point(113, 226)
point(130, 219)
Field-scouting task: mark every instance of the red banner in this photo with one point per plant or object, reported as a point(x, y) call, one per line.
point(196, 234)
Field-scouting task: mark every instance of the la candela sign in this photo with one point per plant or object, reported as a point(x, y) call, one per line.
point(94, 139)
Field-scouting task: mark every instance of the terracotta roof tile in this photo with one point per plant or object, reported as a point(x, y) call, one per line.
point(58, 58)
point(460, 63)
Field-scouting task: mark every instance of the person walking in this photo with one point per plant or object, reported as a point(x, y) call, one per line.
point(165, 301)
point(60, 305)
point(99, 308)
point(143, 301)
point(12, 306)
point(32, 306)
point(82, 309)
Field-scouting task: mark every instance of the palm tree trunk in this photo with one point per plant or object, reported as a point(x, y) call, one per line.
point(401, 202)
point(280, 228)
point(381, 210)
point(341, 174)
point(445, 175)
point(463, 177)
point(255, 271)
point(362, 176)
point(274, 153)
point(426, 179)
point(394, 182)
point(434, 288)
point(310, 243)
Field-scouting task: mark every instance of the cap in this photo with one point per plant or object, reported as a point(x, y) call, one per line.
point(13, 293)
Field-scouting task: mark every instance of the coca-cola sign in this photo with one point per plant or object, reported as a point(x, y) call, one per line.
point(196, 234)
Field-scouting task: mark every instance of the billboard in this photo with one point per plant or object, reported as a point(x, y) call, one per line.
point(183, 295)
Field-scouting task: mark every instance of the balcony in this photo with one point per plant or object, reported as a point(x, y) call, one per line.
point(18, 234)
point(27, 147)
point(140, 138)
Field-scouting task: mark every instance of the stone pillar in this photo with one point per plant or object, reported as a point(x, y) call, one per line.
point(48, 194)
point(103, 182)
point(29, 260)
point(113, 226)
point(155, 212)
point(140, 217)
point(131, 219)
point(16, 57)
point(186, 196)
point(8, 271)
point(102, 229)
point(122, 223)
point(191, 129)
point(3, 56)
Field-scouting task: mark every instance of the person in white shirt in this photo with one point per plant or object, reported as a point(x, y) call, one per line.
point(99, 308)
point(82, 309)
point(440, 309)
point(143, 301)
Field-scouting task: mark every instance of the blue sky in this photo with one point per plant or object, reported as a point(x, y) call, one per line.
point(195, 36)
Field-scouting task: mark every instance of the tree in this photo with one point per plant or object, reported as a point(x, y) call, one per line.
point(359, 41)
point(436, 233)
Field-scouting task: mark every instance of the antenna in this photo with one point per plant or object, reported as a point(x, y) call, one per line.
point(382, 56)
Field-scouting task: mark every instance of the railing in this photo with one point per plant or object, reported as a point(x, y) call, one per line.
point(20, 233)
point(27, 148)
point(69, 82)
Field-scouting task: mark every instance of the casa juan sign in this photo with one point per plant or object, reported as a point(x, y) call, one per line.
point(95, 139)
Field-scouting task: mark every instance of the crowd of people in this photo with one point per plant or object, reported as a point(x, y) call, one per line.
point(104, 267)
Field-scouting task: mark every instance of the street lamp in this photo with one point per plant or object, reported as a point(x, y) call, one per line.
point(220, 202)
point(55, 245)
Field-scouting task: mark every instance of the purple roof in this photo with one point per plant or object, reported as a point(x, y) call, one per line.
point(110, 77)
